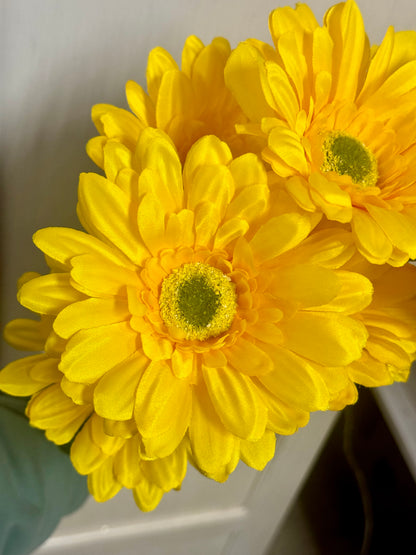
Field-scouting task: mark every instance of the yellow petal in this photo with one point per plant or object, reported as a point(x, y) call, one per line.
point(90, 313)
point(62, 243)
point(48, 294)
point(92, 352)
point(79, 393)
point(168, 472)
point(147, 496)
point(295, 381)
point(52, 410)
point(182, 363)
point(161, 400)
point(283, 419)
point(249, 203)
point(258, 453)
point(207, 151)
point(328, 339)
point(400, 229)
point(156, 153)
point(127, 463)
point(346, 27)
point(117, 123)
point(96, 276)
point(151, 223)
point(334, 202)
point(243, 77)
point(371, 240)
point(369, 371)
point(192, 47)
point(97, 198)
point(159, 62)
point(156, 348)
point(246, 357)
point(236, 402)
point(286, 19)
point(230, 231)
point(278, 235)
point(25, 335)
point(140, 103)
point(298, 188)
point(15, 377)
point(101, 482)
point(175, 97)
point(306, 284)
point(211, 184)
point(212, 445)
point(285, 152)
point(207, 219)
point(355, 293)
point(115, 393)
point(95, 150)
point(85, 455)
point(278, 90)
point(109, 445)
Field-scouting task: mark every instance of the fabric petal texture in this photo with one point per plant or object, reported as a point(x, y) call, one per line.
point(244, 261)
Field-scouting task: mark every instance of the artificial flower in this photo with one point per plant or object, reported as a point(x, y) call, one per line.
point(390, 320)
point(336, 119)
point(187, 103)
point(188, 321)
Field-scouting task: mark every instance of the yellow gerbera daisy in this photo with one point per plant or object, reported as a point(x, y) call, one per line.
point(192, 316)
point(336, 118)
point(186, 102)
point(390, 320)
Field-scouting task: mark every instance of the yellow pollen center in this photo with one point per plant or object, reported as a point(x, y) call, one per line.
point(199, 300)
point(346, 155)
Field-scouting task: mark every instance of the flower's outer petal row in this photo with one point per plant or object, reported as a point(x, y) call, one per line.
point(97, 197)
point(25, 334)
point(48, 294)
point(26, 376)
point(53, 411)
point(90, 353)
point(323, 80)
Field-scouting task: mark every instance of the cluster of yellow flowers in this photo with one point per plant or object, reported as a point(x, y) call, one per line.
point(244, 260)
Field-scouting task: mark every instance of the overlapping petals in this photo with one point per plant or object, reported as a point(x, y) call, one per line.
point(186, 102)
point(149, 398)
point(216, 297)
point(335, 119)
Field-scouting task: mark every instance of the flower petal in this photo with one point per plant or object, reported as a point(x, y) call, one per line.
point(92, 352)
point(258, 453)
point(115, 393)
point(295, 381)
point(212, 445)
point(237, 402)
point(90, 313)
point(48, 294)
point(25, 334)
point(97, 198)
point(328, 339)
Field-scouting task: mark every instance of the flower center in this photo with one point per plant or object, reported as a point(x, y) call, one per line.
point(199, 300)
point(346, 155)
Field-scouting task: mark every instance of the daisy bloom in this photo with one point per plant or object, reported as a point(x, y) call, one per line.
point(336, 119)
point(390, 320)
point(186, 102)
point(187, 322)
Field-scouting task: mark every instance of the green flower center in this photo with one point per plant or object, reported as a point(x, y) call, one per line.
point(198, 300)
point(346, 155)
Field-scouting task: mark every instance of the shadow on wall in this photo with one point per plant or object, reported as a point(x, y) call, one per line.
point(333, 514)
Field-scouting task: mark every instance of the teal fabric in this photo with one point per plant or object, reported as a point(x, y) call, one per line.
point(38, 484)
